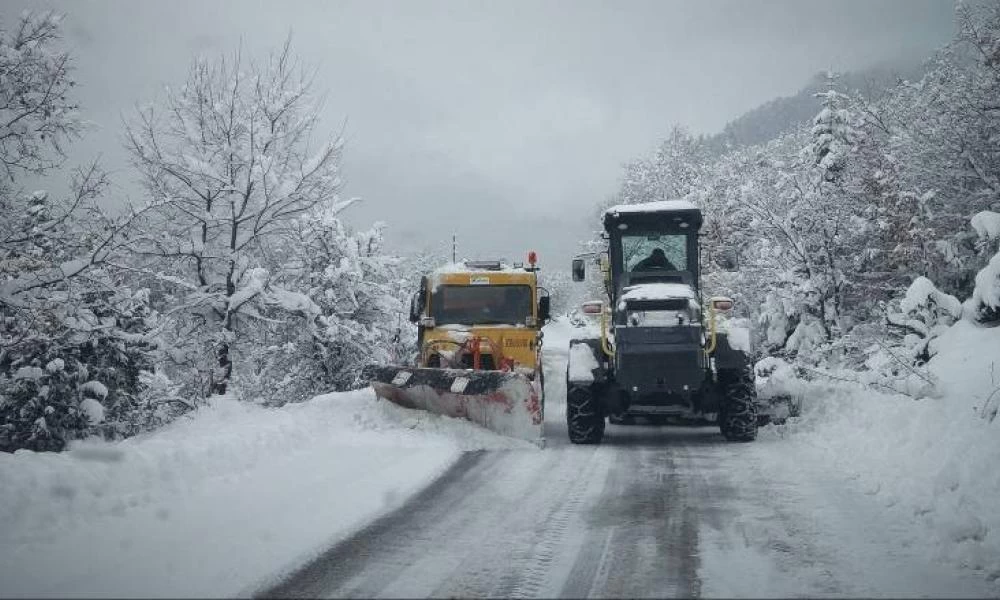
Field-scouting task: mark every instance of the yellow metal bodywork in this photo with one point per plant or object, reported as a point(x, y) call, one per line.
point(605, 264)
point(522, 343)
point(712, 340)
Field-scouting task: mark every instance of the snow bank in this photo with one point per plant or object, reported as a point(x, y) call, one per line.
point(581, 363)
point(217, 504)
point(933, 460)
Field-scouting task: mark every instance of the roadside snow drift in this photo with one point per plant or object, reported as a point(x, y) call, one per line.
point(933, 460)
point(219, 503)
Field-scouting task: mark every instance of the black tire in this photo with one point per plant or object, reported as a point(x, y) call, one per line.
point(738, 406)
point(584, 420)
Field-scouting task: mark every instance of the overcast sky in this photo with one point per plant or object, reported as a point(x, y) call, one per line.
point(504, 122)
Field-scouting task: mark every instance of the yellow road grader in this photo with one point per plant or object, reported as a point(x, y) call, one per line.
point(479, 343)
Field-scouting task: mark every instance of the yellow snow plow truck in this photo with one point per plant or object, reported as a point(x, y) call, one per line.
point(479, 343)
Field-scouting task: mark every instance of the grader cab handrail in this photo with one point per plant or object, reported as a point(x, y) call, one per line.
point(605, 342)
point(713, 340)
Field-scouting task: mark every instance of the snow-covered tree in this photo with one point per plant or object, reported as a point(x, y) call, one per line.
point(350, 304)
point(72, 340)
point(672, 171)
point(230, 161)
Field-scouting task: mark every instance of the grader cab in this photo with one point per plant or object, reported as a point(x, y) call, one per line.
point(664, 352)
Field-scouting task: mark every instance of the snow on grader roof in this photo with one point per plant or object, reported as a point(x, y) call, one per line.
point(651, 207)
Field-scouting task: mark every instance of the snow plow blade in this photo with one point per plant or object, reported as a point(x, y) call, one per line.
point(504, 402)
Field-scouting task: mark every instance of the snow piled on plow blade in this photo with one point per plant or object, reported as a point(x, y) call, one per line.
point(507, 403)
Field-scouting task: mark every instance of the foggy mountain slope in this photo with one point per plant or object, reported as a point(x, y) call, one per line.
point(782, 114)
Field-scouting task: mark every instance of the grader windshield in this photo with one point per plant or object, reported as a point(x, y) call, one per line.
point(653, 242)
point(645, 252)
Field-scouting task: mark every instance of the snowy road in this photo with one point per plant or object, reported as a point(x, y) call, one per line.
point(656, 512)
point(653, 512)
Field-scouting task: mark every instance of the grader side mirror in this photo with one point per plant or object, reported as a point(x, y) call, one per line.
point(579, 270)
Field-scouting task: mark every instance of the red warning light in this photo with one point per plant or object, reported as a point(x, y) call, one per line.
point(532, 258)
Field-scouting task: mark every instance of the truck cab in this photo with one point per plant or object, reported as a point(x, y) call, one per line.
point(481, 315)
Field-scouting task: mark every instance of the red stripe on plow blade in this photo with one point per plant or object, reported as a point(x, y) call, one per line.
point(507, 403)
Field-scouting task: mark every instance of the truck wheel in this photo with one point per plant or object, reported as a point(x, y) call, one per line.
point(738, 408)
point(584, 420)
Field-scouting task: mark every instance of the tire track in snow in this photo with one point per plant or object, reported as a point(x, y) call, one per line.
point(527, 580)
point(349, 559)
point(643, 537)
point(518, 547)
point(492, 526)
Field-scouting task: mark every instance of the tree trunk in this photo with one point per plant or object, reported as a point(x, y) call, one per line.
point(225, 369)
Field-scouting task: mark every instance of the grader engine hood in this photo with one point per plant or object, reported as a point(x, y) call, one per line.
point(659, 339)
point(659, 304)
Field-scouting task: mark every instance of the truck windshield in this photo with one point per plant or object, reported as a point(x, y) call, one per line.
point(651, 252)
point(481, 305)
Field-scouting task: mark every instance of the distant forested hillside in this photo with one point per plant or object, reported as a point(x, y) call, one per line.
point(780, 115)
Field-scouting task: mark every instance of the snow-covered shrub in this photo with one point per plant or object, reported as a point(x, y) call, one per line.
point(987, 226)
point(984, 305)
point(71, 336)
point(79, 376)
point(925, 312)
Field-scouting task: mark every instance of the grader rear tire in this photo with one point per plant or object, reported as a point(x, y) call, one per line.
point(584, 420)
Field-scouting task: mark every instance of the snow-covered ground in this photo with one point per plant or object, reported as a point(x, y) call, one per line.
point(930, 462)
point(216, 503)
point(865, 494)
point(921, 473)
point(652, 512)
